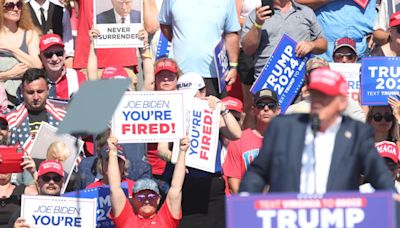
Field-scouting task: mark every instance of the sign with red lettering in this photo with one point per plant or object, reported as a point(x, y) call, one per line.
point(351, 71)
point(362, 3)
point(57, 211)
point(143, 117)
point(203, 132)
point(349, 209)
point(388, 150)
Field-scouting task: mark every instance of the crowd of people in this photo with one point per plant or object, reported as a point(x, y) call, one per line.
point(325, 141)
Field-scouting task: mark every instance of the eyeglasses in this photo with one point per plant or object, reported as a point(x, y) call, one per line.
point(11, 6)
point(378, 117)
point(143, 197)
point(271, 105)
point(349, 56)
point(56, 178)
point(49, 54)
point(398, 29)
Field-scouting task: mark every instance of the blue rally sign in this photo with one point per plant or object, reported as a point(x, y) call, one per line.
point(332, 210)
point(380, 78)
point(102, 194)
point(283, 73)
point(221, 63)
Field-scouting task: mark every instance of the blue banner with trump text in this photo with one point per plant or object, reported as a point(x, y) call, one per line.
point(283, 73)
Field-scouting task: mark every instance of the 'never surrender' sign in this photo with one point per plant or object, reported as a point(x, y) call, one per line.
point(57, 211)
point(333, 210)
point(283, 73)
point(149, 117)
point(380, 78)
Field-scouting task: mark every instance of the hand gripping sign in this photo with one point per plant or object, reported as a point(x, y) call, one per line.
point(283, 73)
point(203, 133)
point(221, 62)
point(57, 211)
point(380, 78)
point(149, 117)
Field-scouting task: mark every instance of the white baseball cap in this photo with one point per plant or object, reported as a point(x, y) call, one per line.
point(190, 83)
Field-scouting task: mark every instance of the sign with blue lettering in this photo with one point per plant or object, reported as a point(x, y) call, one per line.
point(163, 47)
point(351, 72)
point(202, 128)
point(380, 78)
point(102, 194)
point(283, 73)
point(221, 63)
point(330, 210)
point(57, 211)
point(152, 116)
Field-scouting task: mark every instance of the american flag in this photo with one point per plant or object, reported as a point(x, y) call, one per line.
point(18, 123)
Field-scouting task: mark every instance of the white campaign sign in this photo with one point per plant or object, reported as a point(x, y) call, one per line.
point(45, 137)
point(203, 132)
point(57, 211)
point(149, 117)
point(114, 33)
point(351, 71)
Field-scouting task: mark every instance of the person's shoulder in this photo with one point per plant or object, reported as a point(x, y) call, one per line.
point(291, 118)
point(356, 124)
point(305, 9)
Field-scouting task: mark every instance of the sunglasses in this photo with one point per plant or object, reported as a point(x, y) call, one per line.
point(56, 178)
point(378, 117)
point(49, 54)
point(271, 105)
point(349, 56)
point(3, 125)
point(11, 6)
point(143, 197)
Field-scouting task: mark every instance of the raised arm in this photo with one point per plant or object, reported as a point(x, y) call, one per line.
point(253, 29)
point(92, 57)
point(118, 198)
point(174, 195)
point(147, 60)
point(150, 16)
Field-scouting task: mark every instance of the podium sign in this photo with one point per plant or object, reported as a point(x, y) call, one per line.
point(329, 210)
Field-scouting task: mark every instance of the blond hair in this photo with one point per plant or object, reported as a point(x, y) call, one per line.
point(58, 151)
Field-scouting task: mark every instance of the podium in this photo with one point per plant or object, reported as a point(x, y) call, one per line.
point(347, 209)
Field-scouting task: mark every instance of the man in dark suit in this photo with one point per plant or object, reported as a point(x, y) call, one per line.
point(120, 13)
point(321, 152)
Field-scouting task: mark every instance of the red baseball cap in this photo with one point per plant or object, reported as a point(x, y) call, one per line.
point(388, 149)
point(49, 40)
point(3, 117)
point(233, 104)
point(165, 64)
point(345, 42)
point(394, 19)
point(114, 72)
point(51, 166)
point(328, 82)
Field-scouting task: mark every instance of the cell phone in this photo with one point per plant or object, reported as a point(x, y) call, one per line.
point(269, 3)
point(11, 157)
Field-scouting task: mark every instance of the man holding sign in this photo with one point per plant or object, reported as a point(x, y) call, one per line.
point(264, 29)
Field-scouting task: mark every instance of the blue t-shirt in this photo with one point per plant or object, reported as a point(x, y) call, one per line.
point(197, 27)
point(345, 18)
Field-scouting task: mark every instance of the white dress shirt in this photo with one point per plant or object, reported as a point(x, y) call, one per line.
point(66, 21)
point(118, 18)
point(324, 144)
